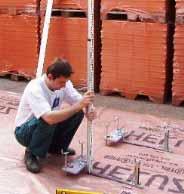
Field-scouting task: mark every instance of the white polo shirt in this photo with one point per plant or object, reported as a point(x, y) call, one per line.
point(38, 99)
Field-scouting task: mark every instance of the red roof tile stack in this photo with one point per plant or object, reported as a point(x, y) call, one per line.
point(134, 53)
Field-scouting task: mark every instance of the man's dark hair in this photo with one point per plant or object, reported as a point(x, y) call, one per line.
point(60, 67)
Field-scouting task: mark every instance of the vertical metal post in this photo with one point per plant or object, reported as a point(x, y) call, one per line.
point(137, 173)
point(106, 133)
point(90, 81)
point(82, 148)
point(44, 38)
point(166, 141)
point(66, 159)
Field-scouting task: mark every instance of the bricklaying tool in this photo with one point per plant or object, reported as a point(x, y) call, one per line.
point(135, 177)
point(133, 180)
point(75, 166)
point(81, 162)
point(78, 165)
point(116, 135)
point(90, 82)
point(120, 136)
point(166, 139)
point(165, 147)
point(68, 191)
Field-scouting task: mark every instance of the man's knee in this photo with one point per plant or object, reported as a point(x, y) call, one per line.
point(80, 115)
point(48, 129)
point(20, 137)
point(35, 128)
point(77, 118)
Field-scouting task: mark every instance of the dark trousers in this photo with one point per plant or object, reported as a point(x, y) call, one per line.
point(41, 138)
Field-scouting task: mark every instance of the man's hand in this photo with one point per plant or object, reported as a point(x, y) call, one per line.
point(91, 115)
point(87, 99)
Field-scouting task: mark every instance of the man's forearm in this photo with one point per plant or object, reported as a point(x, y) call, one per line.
point(56, 116)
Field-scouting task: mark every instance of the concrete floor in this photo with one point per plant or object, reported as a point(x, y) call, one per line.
point(115, 102)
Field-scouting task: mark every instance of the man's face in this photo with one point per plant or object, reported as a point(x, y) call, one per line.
point(57, 83)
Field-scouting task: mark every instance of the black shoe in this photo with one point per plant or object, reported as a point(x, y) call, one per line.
point(32, 163)
point(70, 151)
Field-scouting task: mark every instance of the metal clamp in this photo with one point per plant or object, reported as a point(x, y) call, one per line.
point(77, 165)
point(135, 177)
point(166, 140)
point(166, 146)
point(66, 159)
point(82, 148)
point(116, 135)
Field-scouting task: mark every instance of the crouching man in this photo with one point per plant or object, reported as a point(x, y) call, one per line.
point(41, 125)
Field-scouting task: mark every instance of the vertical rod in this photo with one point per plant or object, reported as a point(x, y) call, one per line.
point(66, 159)
point(82, 148)
point(136, 173)
point(137, 181)
point(106, 134)
point(44, 38)
point(166, 141)
point(90, 81)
